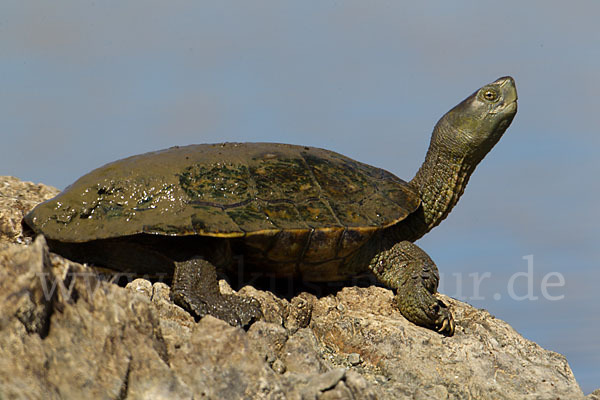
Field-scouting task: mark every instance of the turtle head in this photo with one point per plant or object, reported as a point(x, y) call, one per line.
point(470, 130)
point(460, 140)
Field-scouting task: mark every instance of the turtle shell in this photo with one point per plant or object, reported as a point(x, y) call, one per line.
point(289, 203)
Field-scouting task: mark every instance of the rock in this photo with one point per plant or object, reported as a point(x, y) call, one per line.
point(16, 199)
point(65, 333)
point(26, 288)
point(595, 395)
point(354, 358)
point(98, 340)
point(485, 357)
point(219, 362)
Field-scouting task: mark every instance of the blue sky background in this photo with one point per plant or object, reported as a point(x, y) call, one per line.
point(83, 83)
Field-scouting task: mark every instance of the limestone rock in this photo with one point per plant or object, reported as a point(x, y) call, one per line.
point(66, 333)
point(16, 199)
point(485, 358)
point(595, 395)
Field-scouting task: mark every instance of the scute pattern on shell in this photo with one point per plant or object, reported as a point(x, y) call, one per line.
point(233, 190)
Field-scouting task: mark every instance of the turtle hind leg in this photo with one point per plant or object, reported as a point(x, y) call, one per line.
point(195, 288)
point(409, 270)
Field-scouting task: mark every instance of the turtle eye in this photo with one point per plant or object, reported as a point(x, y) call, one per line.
point(489, 94)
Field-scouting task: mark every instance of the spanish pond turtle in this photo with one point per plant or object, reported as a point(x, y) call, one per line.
point(284, 210)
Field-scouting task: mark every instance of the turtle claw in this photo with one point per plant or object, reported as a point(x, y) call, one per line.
point(444, 323)
point(430, 312)
point(447, 323)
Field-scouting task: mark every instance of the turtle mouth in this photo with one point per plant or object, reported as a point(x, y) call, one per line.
point(511, 107)
point(509, 96)
point(507, 107)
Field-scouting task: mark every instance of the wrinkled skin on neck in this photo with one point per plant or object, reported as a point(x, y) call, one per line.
point(460, 140)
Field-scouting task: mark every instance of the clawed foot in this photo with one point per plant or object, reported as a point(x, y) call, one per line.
point(195, 288)
point(409, 270)
point(444, 322)
point(427, 311)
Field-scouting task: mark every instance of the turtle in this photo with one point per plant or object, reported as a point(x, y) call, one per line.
point(276, 209)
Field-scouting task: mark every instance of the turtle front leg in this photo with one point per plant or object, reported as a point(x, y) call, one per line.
point(195, 288)
point(409, 270)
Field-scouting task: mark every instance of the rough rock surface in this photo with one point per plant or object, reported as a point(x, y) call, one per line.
point(16, 199)
point(595, 395)
point(64, 333)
